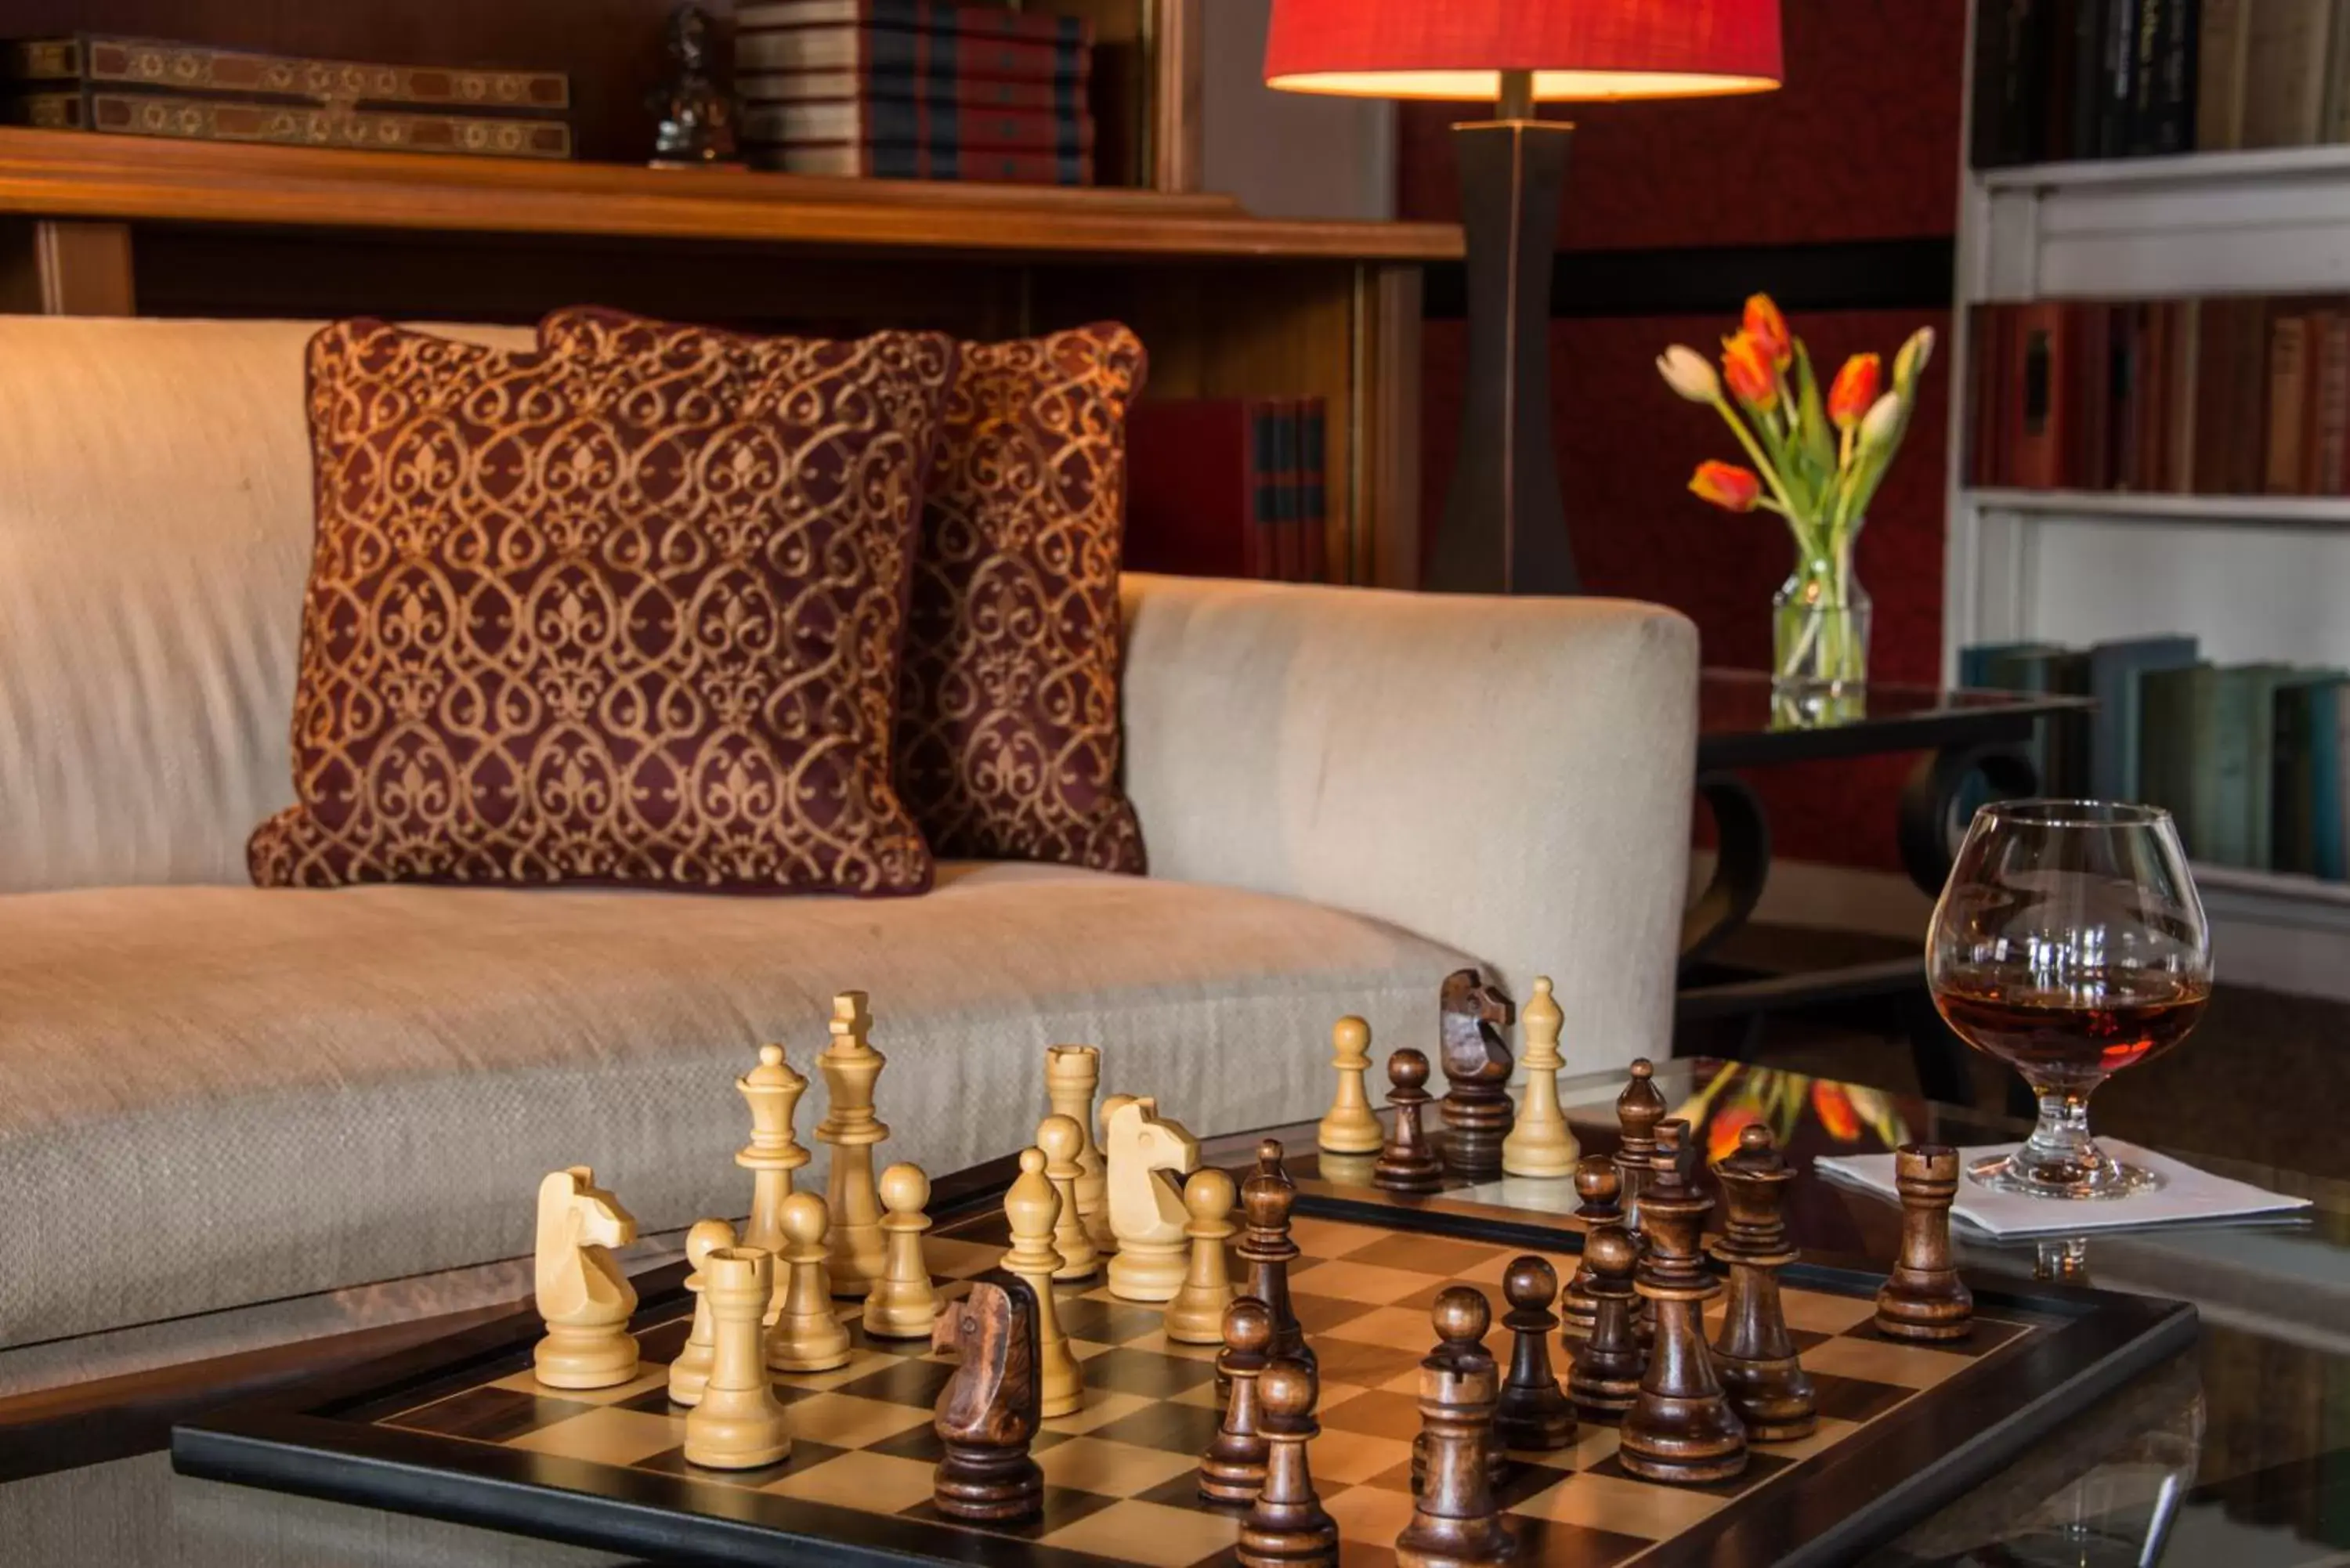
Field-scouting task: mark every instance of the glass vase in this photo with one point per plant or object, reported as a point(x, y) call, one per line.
point(1819, 636)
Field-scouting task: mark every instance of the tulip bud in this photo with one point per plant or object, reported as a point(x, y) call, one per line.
point(1763, 324)
point(1883, 422)
point(1685, 372)
point(1727, 485)
point(1908, 364)
point(1853, 390)
point(1748, 370)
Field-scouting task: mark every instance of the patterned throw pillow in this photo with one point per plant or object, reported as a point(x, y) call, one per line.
point(1008, 718)
point(628, 613)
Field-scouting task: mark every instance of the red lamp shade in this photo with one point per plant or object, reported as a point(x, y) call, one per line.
point(1575, 49)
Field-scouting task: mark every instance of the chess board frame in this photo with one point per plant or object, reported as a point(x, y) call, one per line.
point(319, 1438)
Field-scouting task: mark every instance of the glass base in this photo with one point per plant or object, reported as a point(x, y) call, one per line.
point(2086, 1173)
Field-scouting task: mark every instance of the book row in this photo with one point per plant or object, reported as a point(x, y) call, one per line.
point(1228, 487)
point(2248, 759)
point(2059, 79)
point(2236, 396)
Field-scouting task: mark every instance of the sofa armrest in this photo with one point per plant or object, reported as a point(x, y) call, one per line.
point(1509, 777)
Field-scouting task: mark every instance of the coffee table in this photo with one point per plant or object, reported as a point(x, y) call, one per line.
point(2236, 1442)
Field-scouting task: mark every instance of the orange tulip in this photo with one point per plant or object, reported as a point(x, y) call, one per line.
point(1833, 1107)
point(1853, 389)
point(1727, 485)
point(1764, 323)
point(1746, 365)
point(1721, 1132)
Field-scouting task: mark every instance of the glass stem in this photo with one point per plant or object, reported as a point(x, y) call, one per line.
point(2061, 1137)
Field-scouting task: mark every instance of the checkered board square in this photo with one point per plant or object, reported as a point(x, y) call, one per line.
point(1121, 1474)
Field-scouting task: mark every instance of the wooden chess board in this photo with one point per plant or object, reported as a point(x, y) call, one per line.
point(460, 1429)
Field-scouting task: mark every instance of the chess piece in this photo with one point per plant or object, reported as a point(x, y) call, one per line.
point(1286, 1525)
point(1061, 1137)
point(1195, 1316)
point(1407, 1163)
point(1033, 1210)
point(1924, 1298)
point(1638, 1110)
point(1454, 1519)
point(1532, 1411)
point(807, 1337)
point(1146, 1157)
point(1266, 1197)
point(1351, 1128)
point(1680, 1428)
point(987, 1414)
point(1753, 1355)
point(737, 1424)
point(774, 1091)
point(694, 116)
point(1476, 1107)
point(1597, 1184)
point(1610, 1363)
point(851, 1065)
point(1233, 1466)
point(1347, 1169)
point(903, 1303)
point(582, 1294)
point(1072, 1078)
point(690, 1370)
point(1540, 1144)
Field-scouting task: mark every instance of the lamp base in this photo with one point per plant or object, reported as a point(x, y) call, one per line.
point(1504, 527)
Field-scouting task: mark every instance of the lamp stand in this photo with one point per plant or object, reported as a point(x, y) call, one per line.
point(1504, 528)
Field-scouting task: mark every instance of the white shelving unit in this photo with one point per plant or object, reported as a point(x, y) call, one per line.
point(2255, 577)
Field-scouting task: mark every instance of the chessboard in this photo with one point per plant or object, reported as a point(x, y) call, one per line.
point(461, 1430)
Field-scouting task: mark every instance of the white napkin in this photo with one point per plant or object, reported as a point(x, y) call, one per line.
point(2186, 1193)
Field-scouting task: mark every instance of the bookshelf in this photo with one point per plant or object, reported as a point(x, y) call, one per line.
point(2255, 577)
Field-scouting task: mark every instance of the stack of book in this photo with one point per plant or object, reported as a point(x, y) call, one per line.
point(2248, 759)
point(2056, 79)
point(913, 90)
point(1227, 487)
point(2215, 397)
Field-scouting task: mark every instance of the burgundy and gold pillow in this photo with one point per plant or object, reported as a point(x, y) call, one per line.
point(1008, 718)
point(626, 613)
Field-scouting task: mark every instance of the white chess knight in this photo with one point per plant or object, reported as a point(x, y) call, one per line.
point(1148, 1158)
point(582, 1294)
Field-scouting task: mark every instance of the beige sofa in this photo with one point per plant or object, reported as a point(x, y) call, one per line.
point(215, 1094)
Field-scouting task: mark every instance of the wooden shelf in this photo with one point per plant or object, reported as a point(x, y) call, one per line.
point(2208, 169)
point(65, 174)
point(2290, 511)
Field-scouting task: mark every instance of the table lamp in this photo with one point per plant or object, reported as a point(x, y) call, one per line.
point(1504, 528)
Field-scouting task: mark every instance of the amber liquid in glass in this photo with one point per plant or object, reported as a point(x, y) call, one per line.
point(2054, 1037)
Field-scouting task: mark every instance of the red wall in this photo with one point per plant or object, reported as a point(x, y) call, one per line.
point(1861, 143)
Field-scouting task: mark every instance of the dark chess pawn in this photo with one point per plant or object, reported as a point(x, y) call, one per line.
point(1638, 1110)
point(1286, 1527)
point(1533, 1412)
point(1610, 1363)
point(1680, 1428)
point(1406, 1162)
point(1753, 1355)
point(1924, 1298)
point(1454, 1519)
point(1597, 1184)
point(1266, 1197)
point(1233, 1466)
point(988, 1412)
point(1477, 1111)
point(695, 115)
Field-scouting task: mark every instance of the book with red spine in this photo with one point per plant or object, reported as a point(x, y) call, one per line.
point(2035, 412)
point(1202, 486)
point(868, 160)
point(910, 52)
point(1057, 95)
point(917, 122)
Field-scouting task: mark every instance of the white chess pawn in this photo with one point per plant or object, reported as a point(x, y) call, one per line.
point(1061, 1139)
point(806, 1337)
point(738, 1424)
point(1033, 1210)
point(1352, 1126)
point(903, 1305)
point(584, 1298)
point(1195, 1316)
point(1540, 1144)
point(690, 1371)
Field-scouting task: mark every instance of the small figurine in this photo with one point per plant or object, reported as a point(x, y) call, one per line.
point(697, 115)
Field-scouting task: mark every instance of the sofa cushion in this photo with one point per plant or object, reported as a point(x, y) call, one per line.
point(628, 613)
point(218, 1095)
